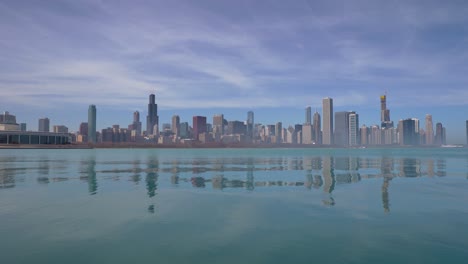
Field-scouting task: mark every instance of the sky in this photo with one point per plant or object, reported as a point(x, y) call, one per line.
point(208, 57)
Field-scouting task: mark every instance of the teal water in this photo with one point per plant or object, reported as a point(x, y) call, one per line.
point(234, 206)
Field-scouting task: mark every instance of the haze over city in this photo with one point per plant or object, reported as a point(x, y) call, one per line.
point(209, 57)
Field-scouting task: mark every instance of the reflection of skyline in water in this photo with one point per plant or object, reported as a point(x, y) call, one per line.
point(325, 173)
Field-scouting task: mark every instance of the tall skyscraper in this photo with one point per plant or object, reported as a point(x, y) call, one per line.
point(429, 130)
point(152, 119)
point(317, 128)
point(199, 126)
point(341, 133)
point(92, 124)
point(279, 132)
point(176, 125)
point(308, 115)
point(327, 112)
point(44, 125)
point(353, 129)
point(250, 125)
point(218, 124)
point(385, 113)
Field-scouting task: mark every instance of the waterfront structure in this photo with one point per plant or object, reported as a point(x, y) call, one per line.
point(60, 129)
point(152, 119)
point(308, 115)
point(8, 122)
point(176, 125)
point(327, 112)
point(33, 138)
point(429, 133)
point(92, 124)
point(250, 125)
point(44, 125)
point(199, 126)
point(317, 134)
point(353, 129)
point(341, 133)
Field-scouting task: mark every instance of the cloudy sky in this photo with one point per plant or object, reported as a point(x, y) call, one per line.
point(209, 57)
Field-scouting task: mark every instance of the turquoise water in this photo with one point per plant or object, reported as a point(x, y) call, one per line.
point(234, 206)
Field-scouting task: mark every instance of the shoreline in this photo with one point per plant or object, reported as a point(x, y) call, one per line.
point(213, 146)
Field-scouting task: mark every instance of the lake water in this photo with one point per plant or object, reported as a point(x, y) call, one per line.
point(234, 206)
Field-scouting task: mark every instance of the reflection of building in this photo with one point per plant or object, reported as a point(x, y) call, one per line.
point(328, 174)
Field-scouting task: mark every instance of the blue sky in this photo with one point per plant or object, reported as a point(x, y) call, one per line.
point(208, 57)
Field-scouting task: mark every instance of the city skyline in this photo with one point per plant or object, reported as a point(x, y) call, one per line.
point(274, 59)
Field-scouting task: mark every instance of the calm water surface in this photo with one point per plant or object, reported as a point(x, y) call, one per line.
point(234, 206)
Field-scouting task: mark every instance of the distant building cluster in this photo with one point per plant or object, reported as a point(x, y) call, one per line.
point(340, 129)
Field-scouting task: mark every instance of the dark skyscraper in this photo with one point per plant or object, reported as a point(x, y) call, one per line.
point(199, 126)
point(308, 115)
point(152, 118)
point(92, 124)
point(385, 113)
point(317, 129)
point(440, 134)
point(84, 129)
point(44, 125)
point(408, 130)
point(250, 125)
point(341, 133)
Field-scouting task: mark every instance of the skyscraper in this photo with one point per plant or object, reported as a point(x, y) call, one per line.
point(327, 112)
point(92, 124)
point(408, 130)
point(353, 129)
point(308, 115)
point(385, 113)
point(429, 130)
point(250, 125)
point(279, 132)
point(152, 119)
point(440, 134)
point(317, 129)
point(44, 125)
point(136, 124)
point(176, 125)
point(218, 124)
point(199, 126)
point(341, 133)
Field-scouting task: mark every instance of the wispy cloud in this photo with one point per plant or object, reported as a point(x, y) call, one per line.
point(231, 55)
